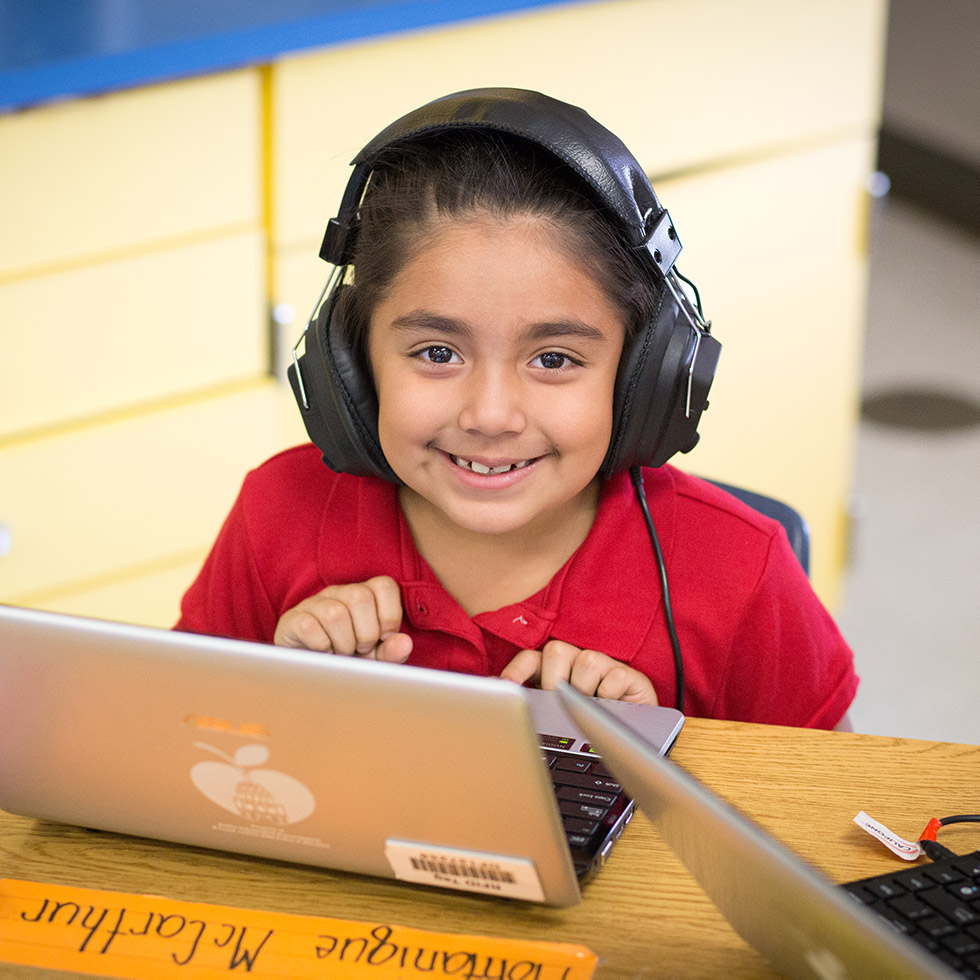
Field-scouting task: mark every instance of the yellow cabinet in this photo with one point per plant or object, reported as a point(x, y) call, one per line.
point(784, 282)
point(133, 286)
point(94, 179)
point(126, 334)
point(91, 507)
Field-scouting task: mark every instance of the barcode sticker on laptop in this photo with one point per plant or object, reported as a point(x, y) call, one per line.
point(471, 871)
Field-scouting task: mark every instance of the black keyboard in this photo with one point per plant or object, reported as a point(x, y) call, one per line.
point(937, 905)
point(594, 807)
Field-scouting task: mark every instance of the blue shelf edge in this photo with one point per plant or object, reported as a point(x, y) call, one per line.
point(101, 72)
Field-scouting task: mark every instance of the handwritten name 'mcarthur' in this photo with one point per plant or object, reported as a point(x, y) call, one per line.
point(100, 928)
point(376, 949)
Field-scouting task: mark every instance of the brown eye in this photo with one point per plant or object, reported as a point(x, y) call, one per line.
point(437, 355)
point(553, 360)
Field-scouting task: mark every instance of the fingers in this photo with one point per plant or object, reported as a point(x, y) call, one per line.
point(362, 618)
point(588, 671)
point(394, 650)
point(558, 663)
point(526, 666)
point(623, 683)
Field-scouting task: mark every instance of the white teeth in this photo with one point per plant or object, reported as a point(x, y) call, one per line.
point(468, 464)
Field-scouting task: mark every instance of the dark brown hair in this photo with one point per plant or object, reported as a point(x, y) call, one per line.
point(458, 173)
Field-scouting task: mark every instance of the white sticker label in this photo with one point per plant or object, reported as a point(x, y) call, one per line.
point(470, 871)
point(905, 849)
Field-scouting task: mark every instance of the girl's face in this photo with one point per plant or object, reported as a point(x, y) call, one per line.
point(494, 357)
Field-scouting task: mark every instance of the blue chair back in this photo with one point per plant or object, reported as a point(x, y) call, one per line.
point(796, 527)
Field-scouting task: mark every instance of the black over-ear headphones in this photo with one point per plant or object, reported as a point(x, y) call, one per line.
point(665, 371)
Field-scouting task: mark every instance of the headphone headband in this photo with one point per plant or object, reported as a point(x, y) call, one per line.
point(565, 131)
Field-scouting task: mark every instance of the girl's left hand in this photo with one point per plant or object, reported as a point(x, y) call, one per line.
point(588, 671)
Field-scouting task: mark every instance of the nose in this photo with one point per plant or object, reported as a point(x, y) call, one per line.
point(492, 403)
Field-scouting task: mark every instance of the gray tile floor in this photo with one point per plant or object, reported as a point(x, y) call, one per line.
point(912, 599)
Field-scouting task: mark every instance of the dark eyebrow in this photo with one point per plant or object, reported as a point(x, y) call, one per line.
point(553, 330)
point(537, 332)
point(424, 320)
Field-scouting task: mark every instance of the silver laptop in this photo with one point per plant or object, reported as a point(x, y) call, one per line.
point(383, 769)
point(789, 912)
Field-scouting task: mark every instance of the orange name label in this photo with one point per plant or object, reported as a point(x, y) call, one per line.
point(115, 934)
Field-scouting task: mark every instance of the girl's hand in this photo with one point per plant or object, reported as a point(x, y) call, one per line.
point(588, 671)
point(361, 619)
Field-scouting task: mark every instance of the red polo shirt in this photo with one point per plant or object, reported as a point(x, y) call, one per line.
point(756, 642)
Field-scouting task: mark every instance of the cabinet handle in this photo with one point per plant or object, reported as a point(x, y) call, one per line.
point(6, 540)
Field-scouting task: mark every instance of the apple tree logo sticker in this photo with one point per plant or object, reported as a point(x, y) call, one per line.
point(261, 796)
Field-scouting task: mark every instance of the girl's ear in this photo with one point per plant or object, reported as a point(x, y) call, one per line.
point(336, 395)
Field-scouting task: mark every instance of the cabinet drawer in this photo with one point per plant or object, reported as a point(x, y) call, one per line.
point(149, 599)
point(93, 177)
point(684, 83)
point(785, 287)
point(103, 337)
point(91, 504)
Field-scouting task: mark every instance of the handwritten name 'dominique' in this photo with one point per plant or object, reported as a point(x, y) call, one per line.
point(377, 950)
point(189, 939)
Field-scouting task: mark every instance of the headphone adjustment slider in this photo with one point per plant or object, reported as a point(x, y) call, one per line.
point(338, 241)
point(662, 242)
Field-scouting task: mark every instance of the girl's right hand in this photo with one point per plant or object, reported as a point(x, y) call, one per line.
point(361, 619)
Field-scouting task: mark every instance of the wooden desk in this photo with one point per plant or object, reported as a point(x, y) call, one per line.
point(643, 915)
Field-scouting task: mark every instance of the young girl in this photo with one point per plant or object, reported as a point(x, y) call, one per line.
point(488, 346)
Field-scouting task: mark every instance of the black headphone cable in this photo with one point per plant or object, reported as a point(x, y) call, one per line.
point(636, 476)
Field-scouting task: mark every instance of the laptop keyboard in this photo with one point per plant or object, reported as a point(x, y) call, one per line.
point(937, 905)
point(593, 806)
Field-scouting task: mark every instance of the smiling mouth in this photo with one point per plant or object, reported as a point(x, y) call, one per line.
point(474, 467)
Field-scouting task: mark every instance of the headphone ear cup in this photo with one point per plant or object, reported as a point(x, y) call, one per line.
point(341, 407)
point(651, 417)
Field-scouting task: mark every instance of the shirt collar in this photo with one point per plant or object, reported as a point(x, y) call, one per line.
point(607, 597)
point(610, 595)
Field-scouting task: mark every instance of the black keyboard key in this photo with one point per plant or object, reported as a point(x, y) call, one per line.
point(886, 888)
point(571, 764)
point(914, 881)
point(942, 874)
point(567, 808)
point(580, 795)
point(896, 920)
point(949, 905)
point(910, 906)
point(586, 781)
point(961, 945)
point(968, 865)
point(574, 825)
point(966, 891)
point(937, 927)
